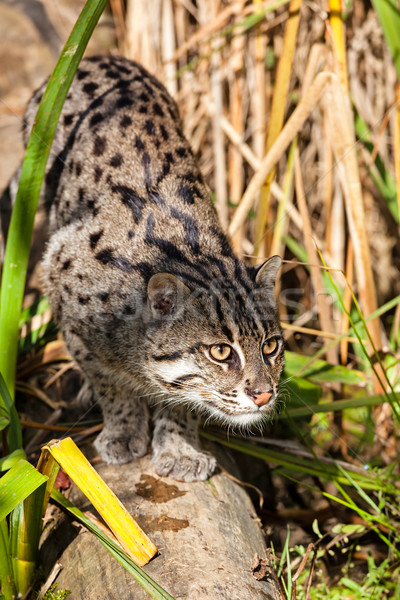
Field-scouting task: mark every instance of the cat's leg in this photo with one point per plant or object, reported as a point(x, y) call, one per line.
point(176, 447)
point(126, 433)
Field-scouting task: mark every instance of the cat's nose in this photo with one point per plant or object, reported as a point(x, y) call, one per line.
point(260, 398)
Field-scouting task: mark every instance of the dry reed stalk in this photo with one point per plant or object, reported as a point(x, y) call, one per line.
point(142, 17)
point(297, 220)
point(237, 140)
point(317, 332)
point(315, 272)
point(281, 222)
point(209, 27)
point(288, 133)
point(236, 173)
point(343, 144)
point(181, 16)
point(218, 138)
point(118, 13)
point(316, 61)
point(168, 46)
point(278, 107)
point(336, 226)
point(327, 176)
point(338, 42)
point(380, 136)
point(259, 87)
point(260, 83)
point(344, 344)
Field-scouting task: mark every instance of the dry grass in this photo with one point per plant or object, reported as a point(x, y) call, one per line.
point(238, 73)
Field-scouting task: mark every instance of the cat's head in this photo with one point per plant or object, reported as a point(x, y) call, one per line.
point(220, 348)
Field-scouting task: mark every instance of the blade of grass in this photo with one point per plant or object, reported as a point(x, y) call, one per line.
point(14, 433)
point(25, 529)
point(141, 576)
point(131, 537)
point(7, 587)
point(389, 16)
point(9, 461)
point(4, 418)
point(294, 463)
point(373, 520)
point(33, 169)
point(49, 467)
point(394, 404)
point(346, 403)
point(17, 484)
point(380, 175)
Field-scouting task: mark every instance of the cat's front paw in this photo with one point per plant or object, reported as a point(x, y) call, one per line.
point(186, 464)
point(121, 448)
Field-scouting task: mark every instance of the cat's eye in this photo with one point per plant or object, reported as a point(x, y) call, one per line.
point(221, 352)
point(270, 346)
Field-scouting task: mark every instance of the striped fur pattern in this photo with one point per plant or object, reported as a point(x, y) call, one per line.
point(143, 281)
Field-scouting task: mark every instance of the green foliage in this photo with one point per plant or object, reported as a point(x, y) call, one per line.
point(380, 582)
point(17, 484)
point(379, 174)
point(389, 15)
point(54, 594)
point(8, 412)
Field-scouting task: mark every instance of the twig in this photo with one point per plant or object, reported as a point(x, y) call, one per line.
point(50, 580)
point(300, 569)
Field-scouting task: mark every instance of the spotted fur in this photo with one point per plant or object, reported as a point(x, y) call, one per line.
point(142, 279)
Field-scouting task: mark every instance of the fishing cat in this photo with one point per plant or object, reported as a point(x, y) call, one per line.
point(153, 304)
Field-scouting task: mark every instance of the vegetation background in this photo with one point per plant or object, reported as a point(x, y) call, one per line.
point(292, 109)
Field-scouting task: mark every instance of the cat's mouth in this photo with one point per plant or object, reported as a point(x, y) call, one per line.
point(247, 412)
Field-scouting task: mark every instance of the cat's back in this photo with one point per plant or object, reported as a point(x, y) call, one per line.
point(120, 143)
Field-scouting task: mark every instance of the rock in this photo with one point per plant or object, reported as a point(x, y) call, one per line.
point(207, 534)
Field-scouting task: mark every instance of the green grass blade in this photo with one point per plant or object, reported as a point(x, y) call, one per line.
point(17, 484)
point(155, 590)
point(33, 169)
point(7, 588)
point(296, 464)
point(393, 403)
point(346, 403)
point(4, 418)
point(389, 16)
point(380, 175)
point(14, 433)
point(9, 461)
point(25, 529)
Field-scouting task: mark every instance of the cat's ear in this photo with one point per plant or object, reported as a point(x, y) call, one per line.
point(166, 294)
point(267, 273)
